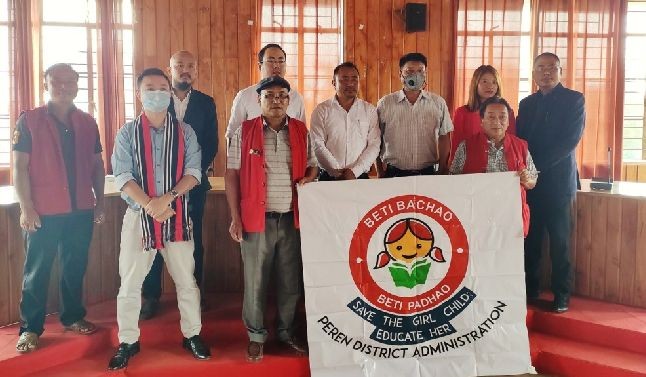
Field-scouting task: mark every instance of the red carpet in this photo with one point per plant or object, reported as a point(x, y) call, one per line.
point(593, 339)
point(67, 354)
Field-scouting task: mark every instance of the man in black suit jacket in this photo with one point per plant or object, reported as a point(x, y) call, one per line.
point(197, 110)
point(552, 122)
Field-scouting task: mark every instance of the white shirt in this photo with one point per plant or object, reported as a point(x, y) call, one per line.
point(345, 139)
point(410, 132)
point(181, 106)
point(245, 106)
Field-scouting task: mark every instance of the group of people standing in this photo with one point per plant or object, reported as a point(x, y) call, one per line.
point(161, 158)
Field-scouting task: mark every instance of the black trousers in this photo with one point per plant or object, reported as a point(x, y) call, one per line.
point(325, 176)
point(392, 172)
point(152, 288)
point(69, 237)
point(557, 221)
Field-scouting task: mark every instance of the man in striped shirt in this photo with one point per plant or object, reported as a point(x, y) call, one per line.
point(267, 157)
point(415, 125)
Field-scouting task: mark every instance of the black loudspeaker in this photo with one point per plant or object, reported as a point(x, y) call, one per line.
point(415, 15)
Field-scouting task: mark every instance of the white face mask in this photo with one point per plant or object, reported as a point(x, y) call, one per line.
point(155, 100)
point(415, 81)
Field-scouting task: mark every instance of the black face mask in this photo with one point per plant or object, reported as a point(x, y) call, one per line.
point(182, 85)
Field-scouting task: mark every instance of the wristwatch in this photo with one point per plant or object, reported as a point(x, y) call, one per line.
point(174, 193)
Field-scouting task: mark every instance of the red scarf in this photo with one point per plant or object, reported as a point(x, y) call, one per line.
point(176, 228)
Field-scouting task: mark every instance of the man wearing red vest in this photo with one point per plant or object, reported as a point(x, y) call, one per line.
point(59, 177)
point(267, 157)
point(494, 150)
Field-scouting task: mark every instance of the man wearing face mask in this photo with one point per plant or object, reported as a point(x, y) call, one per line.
point(193, 107)
point(345, 132)
point(156, 161)
point(415, 125)
point(272, 61)
point(59, 177)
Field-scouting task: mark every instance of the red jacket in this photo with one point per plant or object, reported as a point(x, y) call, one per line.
point(253, 176)
point(47, 174)
point(516, 151)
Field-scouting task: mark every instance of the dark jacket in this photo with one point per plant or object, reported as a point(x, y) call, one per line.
point(553, 125)
point(202, 117)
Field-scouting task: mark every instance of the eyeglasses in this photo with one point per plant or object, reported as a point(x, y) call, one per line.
point(272, 97)
point(548, 69)
point(274, 61)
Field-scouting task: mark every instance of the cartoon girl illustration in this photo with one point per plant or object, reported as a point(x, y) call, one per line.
point(409, 246)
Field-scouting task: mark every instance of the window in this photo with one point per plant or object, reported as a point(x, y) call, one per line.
point(310, 33)
point(5, 84)
point(76, 24)
point(634, 143)
point(488, 32)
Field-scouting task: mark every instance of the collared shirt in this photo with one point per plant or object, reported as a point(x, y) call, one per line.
point(496, 162)
point(278, 164)
point(181, 106)
point(345, 139)
point(245, 106)
point(123, 158)
point(410, 132)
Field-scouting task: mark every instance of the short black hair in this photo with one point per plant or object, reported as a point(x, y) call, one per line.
point(548, 54)
point(152, 72)
point(270, 81)
point(56, 66)
point(412, 57)
point(345, 65)
point(493, 101)
point(261, 53)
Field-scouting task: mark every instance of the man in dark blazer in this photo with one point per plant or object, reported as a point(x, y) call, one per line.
point(196, 109)
point(552, 122)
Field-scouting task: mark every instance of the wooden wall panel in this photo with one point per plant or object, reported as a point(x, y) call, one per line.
point(375, 39)
point(217, 32)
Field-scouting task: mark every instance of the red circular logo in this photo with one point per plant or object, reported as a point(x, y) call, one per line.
point(409, 205)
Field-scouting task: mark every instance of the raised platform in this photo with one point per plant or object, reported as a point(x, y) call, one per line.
point(66, 354)
point(593, 339)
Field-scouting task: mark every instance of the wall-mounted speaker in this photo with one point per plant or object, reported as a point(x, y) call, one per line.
point(415, 16)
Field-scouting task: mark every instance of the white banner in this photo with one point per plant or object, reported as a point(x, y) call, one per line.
point(418, 276)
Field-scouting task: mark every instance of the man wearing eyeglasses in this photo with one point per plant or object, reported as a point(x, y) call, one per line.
point(552, 122)
point(267, 157)
point(272, 61)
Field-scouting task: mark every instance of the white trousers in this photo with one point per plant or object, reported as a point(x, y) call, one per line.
point(134, 264)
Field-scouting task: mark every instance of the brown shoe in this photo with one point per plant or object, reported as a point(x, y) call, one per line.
point(254, 352)
point(82, 327)
point(296, 346)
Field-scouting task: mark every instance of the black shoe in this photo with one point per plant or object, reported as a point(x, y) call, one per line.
point(561, 304)
point(197, 347)
point(295, 346)
point(123, 354)
point(149, 308)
